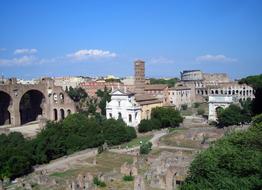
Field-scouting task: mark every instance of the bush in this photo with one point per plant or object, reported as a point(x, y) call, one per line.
point(128, 178)
point(98, 182)
point(145, 148)
point(184, 107)
point(74, 133)
point(148, 125)
point(232, 115)
point(168, 117)
point(257, 119)
point(196, 104)
point(200, 111)
point(116, 132)
point(233, 162)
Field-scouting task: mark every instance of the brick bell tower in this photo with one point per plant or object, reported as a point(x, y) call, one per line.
point(139, 76)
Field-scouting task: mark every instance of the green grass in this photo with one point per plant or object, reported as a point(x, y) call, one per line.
point(171, 130)
point(192, 110)
point(106, 162)
point(67, 173)
point(136, 142)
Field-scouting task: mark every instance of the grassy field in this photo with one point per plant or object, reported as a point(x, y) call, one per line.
point(105, 162)
point(193, 110)
point(173, 139)
point(136, 142)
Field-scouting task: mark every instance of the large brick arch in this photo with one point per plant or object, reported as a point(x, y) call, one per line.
point(5, 103)
point(45, 87)
point(36, 102)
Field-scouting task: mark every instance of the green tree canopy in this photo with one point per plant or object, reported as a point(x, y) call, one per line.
point(104, 96)
point(234, 115)
point(233, 162)
point(77, 94)
point(170, 82)
point(256, 82)
point(168, 117)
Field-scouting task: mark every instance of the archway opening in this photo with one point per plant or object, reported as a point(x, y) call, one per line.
point(55, 115)
point(62, 114)
point(31, 106)
point(219, 110)
point(5, 101)
point(68, 112)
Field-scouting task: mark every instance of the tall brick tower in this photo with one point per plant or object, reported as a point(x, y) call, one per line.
point(139, 77)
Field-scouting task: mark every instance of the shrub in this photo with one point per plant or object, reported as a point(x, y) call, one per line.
point(98, 182)
point(131, 133)
point(232, 115)
point(196, 104)
point(200, 111)
point(116, 132)
point(184, 107)
point(148, 125)
point(128, 178)
point(145, 148)
point(168, 117)
point(74, 133)
point(257, 119)
point(233, 162)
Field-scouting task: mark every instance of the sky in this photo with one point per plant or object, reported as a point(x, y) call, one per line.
point(104, 37)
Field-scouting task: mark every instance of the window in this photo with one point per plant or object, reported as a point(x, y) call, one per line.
point(119, 115)
point(130, 118)
point(119, 103)
point(110, 115)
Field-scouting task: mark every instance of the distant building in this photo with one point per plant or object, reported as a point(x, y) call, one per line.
point(179, 96)
point(134, 106)
point(128, 81)
point(215, 102)
point(66, 82)
point(139, 77)
point(203, 85)
point(159, 91)
point(130, 107)
point(124, 106)
point(93, 86)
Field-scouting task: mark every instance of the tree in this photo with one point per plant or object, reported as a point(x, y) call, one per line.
point(168, 117)
point(116, 131)
point(256, 82)
point(145, 148)
point(232, 115)
point(148, 125)
point(104, 97)
point(170, 82)
point(233, 162)
point(77, 94)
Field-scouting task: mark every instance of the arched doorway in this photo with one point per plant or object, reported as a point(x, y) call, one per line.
point(55, 115)
point(5, 101)
point(219, 109)
point(68, 112)
point(31, 106)
point(62, 114)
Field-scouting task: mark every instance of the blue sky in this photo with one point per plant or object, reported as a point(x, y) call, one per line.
point(101, 37)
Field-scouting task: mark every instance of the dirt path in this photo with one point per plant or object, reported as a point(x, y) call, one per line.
point(67, 162)
point(154, 140)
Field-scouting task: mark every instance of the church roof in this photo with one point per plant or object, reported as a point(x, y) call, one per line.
point(156, 86)
point(122, 92)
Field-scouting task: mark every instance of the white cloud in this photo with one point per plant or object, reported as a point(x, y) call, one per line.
point(24, 60)
point(25, 51)
point(161, 60)
point(215, 58)
point(86, 54)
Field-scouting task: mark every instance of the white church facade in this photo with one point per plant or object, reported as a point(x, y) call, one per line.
point(123, 105)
